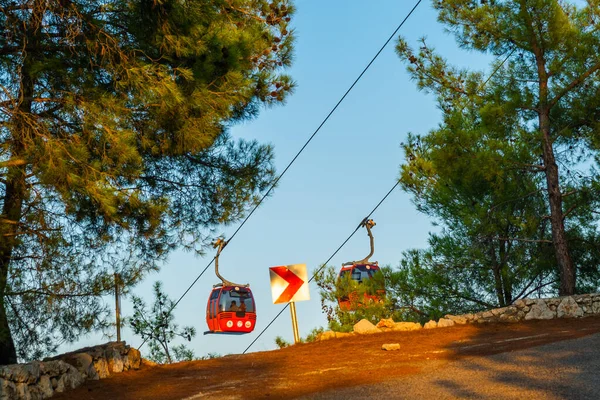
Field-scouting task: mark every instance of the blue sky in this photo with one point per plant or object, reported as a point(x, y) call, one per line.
point(349, 166)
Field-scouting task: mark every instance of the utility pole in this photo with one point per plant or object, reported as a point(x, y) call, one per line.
point(118, 305)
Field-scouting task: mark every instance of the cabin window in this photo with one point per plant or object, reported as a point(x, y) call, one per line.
point(239, 296)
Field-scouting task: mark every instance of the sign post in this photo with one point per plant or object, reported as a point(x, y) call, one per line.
point(288, 285)
point(294, 322)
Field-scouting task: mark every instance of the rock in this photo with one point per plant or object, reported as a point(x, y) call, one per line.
point(487, 314)
point(54, 368)
point(69, 380)
point(35, 393)
point(21, 373)
point(326, 335)
point(83, 362)
point(499, 311)
point(134, 358)
point(539, 310)
point(511, 310)
point(459, 320)
point(430, 325)
point(469, 317)
point(22, 391)
point(45, 386)
point(365, 327)
point(386, 323)
point(27, 392)
point(60, 385)
point(390, 346)
point(552, 302)
point(444, 323)
point(114, 360)
point(520, 303)
point(148, 363)
point(568, 308)
point(101, 368)
point(514, 318)
point(596, 307)
point(585, 300)
point(339, 335)
point(406, 326)
point(8, 390)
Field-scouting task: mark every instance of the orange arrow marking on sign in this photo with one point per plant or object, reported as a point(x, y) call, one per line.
point(294, 283)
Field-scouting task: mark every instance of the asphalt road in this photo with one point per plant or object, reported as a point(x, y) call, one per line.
point(545, 359)
point(563, 370)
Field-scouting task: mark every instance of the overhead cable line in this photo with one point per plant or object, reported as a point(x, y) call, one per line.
point(325, 263)
point(299, 152)
point(366, 218)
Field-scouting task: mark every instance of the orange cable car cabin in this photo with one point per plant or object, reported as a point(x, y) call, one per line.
point(230, 308)
point(361, 271)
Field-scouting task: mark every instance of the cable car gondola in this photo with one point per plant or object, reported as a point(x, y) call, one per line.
point(230, 308)
point(361, 271)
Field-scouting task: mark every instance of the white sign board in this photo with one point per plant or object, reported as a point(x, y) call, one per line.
point(289, 283)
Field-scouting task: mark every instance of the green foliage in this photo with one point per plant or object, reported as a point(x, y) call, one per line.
point(281, 342)
point(157, 327)
point(313, 334)
point(342, 319)
point(311, 337)
point(183, 353)
point(210, 356)
point(511, 172)
point(114, 147)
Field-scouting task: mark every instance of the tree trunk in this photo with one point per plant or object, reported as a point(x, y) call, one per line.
point(497, 278)
point(11, 214)
point(559, 237)
point(504, 273)
point(16, 191)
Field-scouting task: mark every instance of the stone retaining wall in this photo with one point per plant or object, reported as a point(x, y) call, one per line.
point(41, 379)
point(576, 306)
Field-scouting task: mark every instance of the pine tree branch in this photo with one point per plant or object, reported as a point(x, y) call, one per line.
point(539, 287)
point(15, 162)
point(508, 239)
point(576, 82)
point(40, 292)
point(527, 287)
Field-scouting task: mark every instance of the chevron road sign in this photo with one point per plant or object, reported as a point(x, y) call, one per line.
point(289, 283)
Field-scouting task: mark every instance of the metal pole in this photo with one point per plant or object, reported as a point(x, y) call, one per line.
point(118, 306)
point(294, 322)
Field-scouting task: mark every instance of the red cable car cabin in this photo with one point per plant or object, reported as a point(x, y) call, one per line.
point(359, 273)
point(231, 309)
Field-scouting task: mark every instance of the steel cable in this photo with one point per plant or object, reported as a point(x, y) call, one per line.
point(299, 152)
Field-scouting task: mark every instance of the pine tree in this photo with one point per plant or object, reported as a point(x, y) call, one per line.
point(114, 147)
point(545, 100)
point(157, 327)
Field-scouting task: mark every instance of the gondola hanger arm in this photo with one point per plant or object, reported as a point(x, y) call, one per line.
point(368, 224)
point(219, 244)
